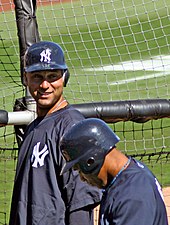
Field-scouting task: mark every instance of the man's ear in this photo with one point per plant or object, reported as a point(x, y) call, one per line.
point(24, 79)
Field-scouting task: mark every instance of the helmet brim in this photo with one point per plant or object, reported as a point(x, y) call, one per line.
point(44, 66)
point(69, 165)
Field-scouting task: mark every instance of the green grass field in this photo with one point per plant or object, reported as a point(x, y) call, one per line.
point(125, 34)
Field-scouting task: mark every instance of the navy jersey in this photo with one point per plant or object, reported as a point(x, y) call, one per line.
point(41, 196)
point(135, 198)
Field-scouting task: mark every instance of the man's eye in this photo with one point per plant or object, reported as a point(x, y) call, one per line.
point(54, 77)
point(36, 76)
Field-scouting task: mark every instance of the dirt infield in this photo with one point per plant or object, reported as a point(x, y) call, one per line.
point(7, 5)
point(166, 193)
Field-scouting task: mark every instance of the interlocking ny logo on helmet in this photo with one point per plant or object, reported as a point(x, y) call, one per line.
point(45, 55)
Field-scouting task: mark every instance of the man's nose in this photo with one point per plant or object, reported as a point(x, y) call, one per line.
point(44, 84)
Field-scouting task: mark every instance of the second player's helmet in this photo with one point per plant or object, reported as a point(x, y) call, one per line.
point(86, 144)
point(45, 55)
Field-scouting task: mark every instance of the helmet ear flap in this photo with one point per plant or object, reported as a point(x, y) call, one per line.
point(92, 162)
point(66, 76)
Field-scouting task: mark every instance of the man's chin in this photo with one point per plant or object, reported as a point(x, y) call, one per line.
point(44, 105)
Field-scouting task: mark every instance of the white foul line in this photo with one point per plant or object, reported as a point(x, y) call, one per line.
point(160, 65)
point(134, 79)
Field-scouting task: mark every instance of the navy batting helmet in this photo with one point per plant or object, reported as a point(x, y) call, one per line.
point(86, 145)
point(46, 55)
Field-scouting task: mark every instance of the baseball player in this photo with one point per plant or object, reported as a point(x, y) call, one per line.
point(131, 193)
point(40, 195)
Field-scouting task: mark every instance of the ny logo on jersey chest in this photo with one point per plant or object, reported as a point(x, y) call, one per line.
point(38, 155)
